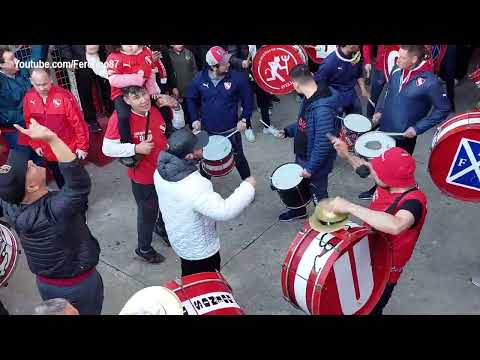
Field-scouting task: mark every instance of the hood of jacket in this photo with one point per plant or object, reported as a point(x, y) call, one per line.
point(172, 168)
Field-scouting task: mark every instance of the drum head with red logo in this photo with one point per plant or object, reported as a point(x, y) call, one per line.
point(339, 273)
point(271, 67)
point(454, 163)
point(317, 53)
point(390, 60)
point(8, 253)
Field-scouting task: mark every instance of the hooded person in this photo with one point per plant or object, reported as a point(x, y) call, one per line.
point(189, 205)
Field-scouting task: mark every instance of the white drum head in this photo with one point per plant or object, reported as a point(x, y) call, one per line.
point(287, 176)
point(218, 148)
point(373, 144)
point(357, 123)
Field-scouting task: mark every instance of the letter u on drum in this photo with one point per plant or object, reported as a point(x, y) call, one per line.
point(343, 269)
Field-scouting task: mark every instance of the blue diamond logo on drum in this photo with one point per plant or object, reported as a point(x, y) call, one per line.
point(465, 169)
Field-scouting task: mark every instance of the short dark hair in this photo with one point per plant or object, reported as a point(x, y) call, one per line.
point(419, 50)
point(133, 90)
point(3, 50)
point(301, 73)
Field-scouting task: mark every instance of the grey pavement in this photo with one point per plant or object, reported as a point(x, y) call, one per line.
point(254, 245)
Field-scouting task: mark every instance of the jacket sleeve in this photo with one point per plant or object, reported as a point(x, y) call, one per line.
point(325, 70)
point(34, 144)
point(441, 108)
point(193, 98)
point(212, 205)
point(246, 96)
point(291, 130)
point(80, 127)
point(235, 60)
point(167, 62)
point(324, 122)
point(73, 197)
point(151, 85)
point(65, 52)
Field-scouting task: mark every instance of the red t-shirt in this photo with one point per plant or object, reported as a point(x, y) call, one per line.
point(119, 63)
point(143, 172)
point(403, 243)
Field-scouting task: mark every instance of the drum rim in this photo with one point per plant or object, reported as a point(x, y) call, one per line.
point(278, 167)
point(230, 147)
point(366, 136)
point(359, 116)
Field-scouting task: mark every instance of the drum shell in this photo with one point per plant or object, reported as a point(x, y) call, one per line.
point(8, 254)
point(312, 278)
point(218, 168)
point(206, 293)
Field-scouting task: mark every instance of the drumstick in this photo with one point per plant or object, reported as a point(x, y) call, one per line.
point(391, 133)
point(233, 133)
point(340, 117)
point(269, 126)
point(371, 102)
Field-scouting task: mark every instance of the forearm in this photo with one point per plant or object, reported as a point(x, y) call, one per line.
point(378, 220)
point(355, 161)
point(61, 150)
point(361, 83)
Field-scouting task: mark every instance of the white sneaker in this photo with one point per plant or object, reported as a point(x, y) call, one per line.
point(270, 130)
point(250, 135)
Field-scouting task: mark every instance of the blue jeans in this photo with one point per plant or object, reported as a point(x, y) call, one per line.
point(86, 296)
point(378, 82)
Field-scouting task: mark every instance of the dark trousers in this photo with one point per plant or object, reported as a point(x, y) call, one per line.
point(378, 82)
point(210, 264)
point(85, 79)
point(447, 73)
point(241, 162)
point(86, 296)
point(57, 174)
point(464, 53)
point(407, 144)
point(387, 294)
point(318, 183)
point(3, 311)
point(148, 214)
point(123, 112)
point(264, 102)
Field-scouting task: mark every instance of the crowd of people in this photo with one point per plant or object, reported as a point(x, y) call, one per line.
point(144, 90)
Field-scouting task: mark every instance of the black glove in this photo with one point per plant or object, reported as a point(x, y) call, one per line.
point(363, 171)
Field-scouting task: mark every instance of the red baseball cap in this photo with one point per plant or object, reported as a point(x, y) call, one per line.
point(395, 167)
point(217, 55)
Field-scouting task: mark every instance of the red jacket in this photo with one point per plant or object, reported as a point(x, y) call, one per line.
point(367, 56)
point(61, 114)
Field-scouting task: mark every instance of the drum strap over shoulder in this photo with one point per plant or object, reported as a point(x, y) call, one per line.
point(394, 205)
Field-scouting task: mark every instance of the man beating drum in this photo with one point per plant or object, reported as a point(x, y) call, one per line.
point(312, 149)
point(398, 208)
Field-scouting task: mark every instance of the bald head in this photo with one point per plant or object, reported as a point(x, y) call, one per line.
point(41, 81)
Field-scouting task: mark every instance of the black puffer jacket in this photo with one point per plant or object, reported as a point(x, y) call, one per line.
point(57, 242)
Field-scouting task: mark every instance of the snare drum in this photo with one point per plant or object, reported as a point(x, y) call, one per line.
point(218, 156)
point(373, 144)
point(354, 125)
point(206, 293)
point(8, 254)
point(454, 163)
point(294, 190)
point(339, 273)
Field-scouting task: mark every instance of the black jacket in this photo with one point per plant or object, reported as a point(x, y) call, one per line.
point(77, 52)
point(57, 242)
point(165, 59)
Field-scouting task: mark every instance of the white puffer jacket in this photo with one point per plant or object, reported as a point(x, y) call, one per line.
point(190, 208)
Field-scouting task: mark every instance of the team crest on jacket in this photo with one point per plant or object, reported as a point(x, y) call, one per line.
point(420, 81)
point(57, 102)
point(227, 85)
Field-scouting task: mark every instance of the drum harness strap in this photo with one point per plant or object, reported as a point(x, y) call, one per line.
point(392, 208)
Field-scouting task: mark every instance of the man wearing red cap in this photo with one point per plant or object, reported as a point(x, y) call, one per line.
point(398, 208)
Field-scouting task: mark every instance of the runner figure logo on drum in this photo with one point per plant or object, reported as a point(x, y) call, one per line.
point(271, 67)
point(8, 254)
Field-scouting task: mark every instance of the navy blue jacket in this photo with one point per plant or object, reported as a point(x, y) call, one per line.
point(12, 91)
point(411, 106)
point(217, 106)
point(340, 74)
point(320, 116)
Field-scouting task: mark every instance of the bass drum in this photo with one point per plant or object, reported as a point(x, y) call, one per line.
point(8, 254)
point(390, 60)
point(317, 53)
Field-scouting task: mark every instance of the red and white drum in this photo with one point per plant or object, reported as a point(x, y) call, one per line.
point(317, 53)
point(354, 125)
point(340, 273)
point(205, 293)
point(8, 254)
point(218, 156)
point(475, 77)
point(302, 52)
point(390, 60)
point(454, 163)
point(271, 67)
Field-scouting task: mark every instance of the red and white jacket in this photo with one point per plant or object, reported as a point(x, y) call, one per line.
point(61, 114)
